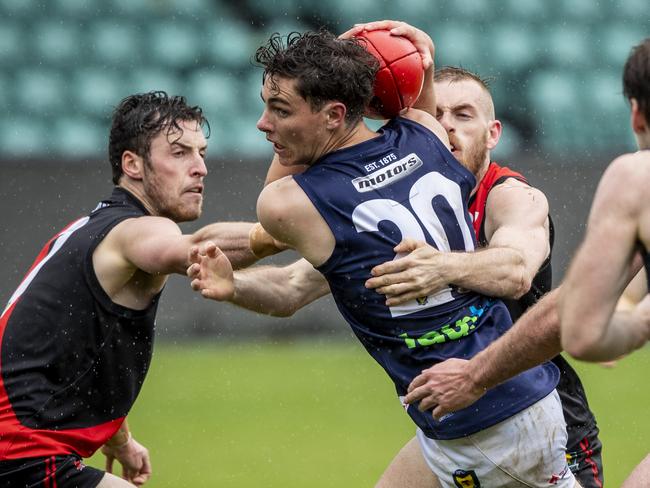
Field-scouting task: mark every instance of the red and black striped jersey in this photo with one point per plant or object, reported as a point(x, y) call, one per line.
point(579, 418)
point(72, 362)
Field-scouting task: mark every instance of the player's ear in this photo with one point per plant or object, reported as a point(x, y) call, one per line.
point(637, 118)
point(132, 165)
point(494, 133)
point(335, 114)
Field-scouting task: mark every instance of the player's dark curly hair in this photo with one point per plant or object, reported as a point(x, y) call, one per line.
point(141, 117)
point(636, 77)
point(326, 68)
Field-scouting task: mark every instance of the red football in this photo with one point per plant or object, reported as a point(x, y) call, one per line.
point(400, 76)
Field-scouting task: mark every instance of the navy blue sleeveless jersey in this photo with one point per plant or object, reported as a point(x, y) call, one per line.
point(72, 362)
point(406, 183)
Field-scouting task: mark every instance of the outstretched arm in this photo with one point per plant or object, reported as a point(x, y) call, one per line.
point(272, 290)
point(232, 238)
point(597, 275)
point(533, 339)
point(457, 383)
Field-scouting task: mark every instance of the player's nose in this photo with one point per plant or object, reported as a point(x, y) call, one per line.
point(446, 121)
point(263, 122)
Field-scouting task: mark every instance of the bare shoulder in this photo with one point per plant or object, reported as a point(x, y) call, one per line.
point(631, 167)
point(280, 196)
point(516, 194)
point(626, 180)
point(281, 206)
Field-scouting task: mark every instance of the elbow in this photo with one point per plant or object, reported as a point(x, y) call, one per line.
point(580, 343)
point(284, 312)
point(522, 286)
point(580, 349)
point(521, 279)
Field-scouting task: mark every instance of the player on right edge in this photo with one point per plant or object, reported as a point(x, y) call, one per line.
point(617, 230)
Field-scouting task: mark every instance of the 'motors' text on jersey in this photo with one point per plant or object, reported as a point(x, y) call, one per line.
point(405, 183)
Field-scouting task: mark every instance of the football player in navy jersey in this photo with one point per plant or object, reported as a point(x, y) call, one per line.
point(514, 230)
point(618, 230)
point(345, 215)
point(77, 334)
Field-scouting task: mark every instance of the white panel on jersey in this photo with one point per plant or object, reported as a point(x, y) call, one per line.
point(55, 247)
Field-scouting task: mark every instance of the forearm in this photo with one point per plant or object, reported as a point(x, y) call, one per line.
point(277, 291)
point(232, 238)
point(624, 334)
point(427, 99)
point(533, 339)
point(497, 271)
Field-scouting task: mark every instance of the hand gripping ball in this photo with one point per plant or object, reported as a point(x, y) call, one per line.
point(399, 80)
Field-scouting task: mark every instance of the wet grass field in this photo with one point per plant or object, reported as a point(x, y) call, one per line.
point(320, 415)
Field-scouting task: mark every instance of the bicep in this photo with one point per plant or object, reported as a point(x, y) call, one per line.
point(517, 218)
point(154, 245)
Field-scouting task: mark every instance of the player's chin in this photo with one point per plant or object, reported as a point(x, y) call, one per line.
point(187, 213)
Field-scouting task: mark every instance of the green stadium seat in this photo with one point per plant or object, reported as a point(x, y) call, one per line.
point(145, 79)
point(631, 9)
point(77, 8)
point(605, 104)
point(77, 137)
point(510, 143)
point(57, 42)
point(345, 13)
point(568, 46)
point(582, 11)
point(229, 44)
point(116, 43)
point(618, 40)
point(174, 44)
point(469, 10)
point(529, 10)
point(197, 9)
point(27, 8)
point(40, 91)
point(133, 7)
point(214, 91)
point(243, 139)
point(96, 91)
point(12, 45)
point(551, 92)
point(456, 45)
point(513, 48)
point(251, 90)
point(23, 137)
point(554, 99)
point(276, 8)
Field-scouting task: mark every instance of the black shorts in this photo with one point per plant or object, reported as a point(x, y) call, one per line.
point(584, 455)
point(65, 471)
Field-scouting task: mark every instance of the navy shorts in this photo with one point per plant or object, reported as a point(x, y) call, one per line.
point(65, 471)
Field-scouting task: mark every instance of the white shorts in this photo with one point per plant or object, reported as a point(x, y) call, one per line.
point(528, 449)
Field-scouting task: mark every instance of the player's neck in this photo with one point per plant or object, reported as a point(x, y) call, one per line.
point(137, 190)
point(348, 137)
point(480, 174)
